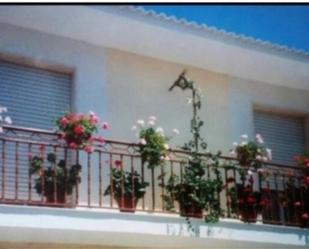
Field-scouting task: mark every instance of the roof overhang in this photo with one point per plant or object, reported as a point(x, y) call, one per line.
point(107, 26)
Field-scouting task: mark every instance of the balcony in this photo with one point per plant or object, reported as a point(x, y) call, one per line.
point(17, 186)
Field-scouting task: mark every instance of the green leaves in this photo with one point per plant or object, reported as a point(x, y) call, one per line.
point(154, 150)
point(126, 184)
point(65, 178)
point(196, 187)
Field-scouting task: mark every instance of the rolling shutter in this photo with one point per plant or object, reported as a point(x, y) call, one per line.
point(284, 135)
point(34, 97)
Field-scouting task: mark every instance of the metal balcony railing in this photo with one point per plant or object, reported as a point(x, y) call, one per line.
point(283, 185)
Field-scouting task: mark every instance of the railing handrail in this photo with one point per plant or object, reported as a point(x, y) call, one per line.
point(132, 144)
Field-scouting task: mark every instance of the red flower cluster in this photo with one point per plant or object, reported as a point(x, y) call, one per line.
point(77, 130)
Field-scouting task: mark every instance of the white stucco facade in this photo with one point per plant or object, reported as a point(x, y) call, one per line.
point(124, 76)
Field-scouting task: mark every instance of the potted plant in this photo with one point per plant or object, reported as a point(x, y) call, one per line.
point(57, 179)
point(126, 187)
point(251, 153)
point(246, 201)
point(77, 130)
point(196, 193)
point(153, 142)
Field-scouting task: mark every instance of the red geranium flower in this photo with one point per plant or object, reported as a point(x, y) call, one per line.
point(297, 204)
point(118, 163)
point(305, 216)
point(251, 200)
point(73, 145)
point(78, 130)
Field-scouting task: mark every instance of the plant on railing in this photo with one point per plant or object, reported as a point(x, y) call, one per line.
point(153, 142)
point(247, 202)
point(78, 130)
point(195, 191)
point(3, 118)
point(127, 187)
point(57, 179)
point(251, 153)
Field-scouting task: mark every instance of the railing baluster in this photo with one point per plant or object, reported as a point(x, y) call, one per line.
point(66, 170)
point(122, 182)
point(29, 173)
point(276, 196)
point(286, 213)
point(89, 179)
point(16, 170)
point(55, 175)
point(77, 187)
point(162, 186)
point(153, 189)
point(132, 180)
point(228, 204)
point(111, 178)
point(3, 169)
point(271, 209)
point(143, 180)
point(42, 151)
point(236, 190)
point(100, 179)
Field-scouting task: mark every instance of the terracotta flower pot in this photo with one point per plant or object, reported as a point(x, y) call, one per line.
point(50, 198)
point(191, 211)
point(127, 203)
point(248, 214)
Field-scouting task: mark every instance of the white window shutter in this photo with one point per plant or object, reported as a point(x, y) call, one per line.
point(34, 97)
point(285, 135)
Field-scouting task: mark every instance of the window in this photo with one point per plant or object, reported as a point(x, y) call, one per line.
point(285, 135)
point(34, 96)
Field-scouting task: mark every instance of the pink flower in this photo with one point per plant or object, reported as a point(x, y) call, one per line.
point(297, 204)
point(88, 149)
point(64, 121)
point(105, 126)
point(305, 216)
point(100, 139)
point(78, 130)
point(93, 120)
point(73, 145)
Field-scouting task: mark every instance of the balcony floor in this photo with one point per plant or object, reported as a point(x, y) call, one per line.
point(91, 228)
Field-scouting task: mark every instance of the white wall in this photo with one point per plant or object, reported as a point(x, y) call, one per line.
point(138, 87)
point(245, 95)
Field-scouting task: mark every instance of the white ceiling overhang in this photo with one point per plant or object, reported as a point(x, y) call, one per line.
point(106, 26)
